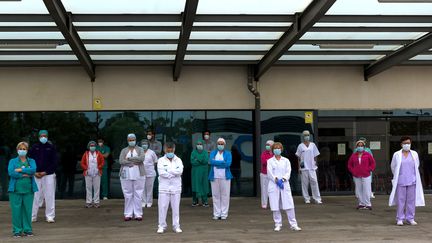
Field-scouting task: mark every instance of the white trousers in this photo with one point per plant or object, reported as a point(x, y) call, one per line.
point(309, 177)
point(92, 188)
point(277, 217)
point(132, 192)
point(264, 181)
point(363, 190)
point(221, 197)
point(47, 189)
point(164, 201)
point(147, 197)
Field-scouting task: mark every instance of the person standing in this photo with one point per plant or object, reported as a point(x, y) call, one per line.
point(407, 191)
point(150, 160)
point(208, 144)
point(220, 177)
point(132, 177)
point(264, 181)
point(279, 171)
point(45, 155)
point(307, 153)
point(105, 151)
point(92, 163)
point(199, 161)
point(360, 165)
point(170, 169)
point(22, 187)
point(154, 144)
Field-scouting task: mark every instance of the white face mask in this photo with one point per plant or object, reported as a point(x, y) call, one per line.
point(100, 144)
point(406, 147)
point(149, 137)
point(206, 137)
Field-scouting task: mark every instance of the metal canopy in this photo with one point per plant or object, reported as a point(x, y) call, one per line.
point(262, 33)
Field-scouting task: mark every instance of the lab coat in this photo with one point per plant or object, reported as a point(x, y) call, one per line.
point(278, 197)
point(170, 175)
point(395, 167)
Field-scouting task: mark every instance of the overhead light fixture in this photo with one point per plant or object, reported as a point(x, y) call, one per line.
point(10, 1)
point(29, 46)
point(345, 46)
point(405, 1)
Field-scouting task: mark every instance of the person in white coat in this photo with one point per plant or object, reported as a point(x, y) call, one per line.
point(132, 177)
point(307, 153)
point(170, 169)
point(279, 190)
point(149, 165)
point(407, 191)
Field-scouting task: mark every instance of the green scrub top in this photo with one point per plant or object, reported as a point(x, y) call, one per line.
point(104, 149)
point(24, 184)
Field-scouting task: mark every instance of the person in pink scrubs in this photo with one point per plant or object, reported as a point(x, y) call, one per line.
point(266, 155)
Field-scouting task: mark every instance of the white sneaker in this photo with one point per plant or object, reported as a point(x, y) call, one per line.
point(160, 230)
point(295, 228)
point(149, 205)
point(318, 201)
point(178, 230)
point(143, 205)
point(34, 220)
point(49, 220)
point(399, 223)
point(215, 218)
point(104, 198)
point(278, 228)
point(372, 195)
point(223, 217)
point(412, 222)
point(307, 201)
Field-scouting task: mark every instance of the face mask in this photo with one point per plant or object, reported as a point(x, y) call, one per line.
point(100, 144)
point(92, 148)
point(149, 137)
point(220, 147)
point(277, 151)
point(43, 140)
point(145, 146)
point(360, 149)
point(268, 147)
point(132, 143)
point(406, 147)
point(206, 137)
point(22, 153)
point(170, 155)
point(200, 147)
point(307, 138)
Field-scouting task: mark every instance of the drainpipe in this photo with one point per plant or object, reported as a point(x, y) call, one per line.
point(257, 130)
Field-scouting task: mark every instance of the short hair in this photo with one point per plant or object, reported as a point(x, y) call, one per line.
point(25, 144)
point(204, 132)
point(151, 131)
point(277, 144)
point(169, 145)
point(404, 138)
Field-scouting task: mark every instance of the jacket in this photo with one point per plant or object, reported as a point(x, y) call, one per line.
point(85, 162)
point(226, 163)
point(364, 169)
point(14, 176)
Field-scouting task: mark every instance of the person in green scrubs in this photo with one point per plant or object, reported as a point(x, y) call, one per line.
point(199, 161)
point(21, 191)
point(105, 150)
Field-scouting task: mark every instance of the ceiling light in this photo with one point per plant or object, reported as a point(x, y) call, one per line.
point(346, 46)
point(28, 46)
point(405, 1)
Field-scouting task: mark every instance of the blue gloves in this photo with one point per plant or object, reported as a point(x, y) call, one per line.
point(280, 184)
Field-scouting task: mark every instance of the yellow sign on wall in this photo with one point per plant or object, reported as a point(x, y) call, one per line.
point(309, 117)
point(97, 103)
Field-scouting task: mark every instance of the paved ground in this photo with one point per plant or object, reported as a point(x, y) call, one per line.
point(335, 221)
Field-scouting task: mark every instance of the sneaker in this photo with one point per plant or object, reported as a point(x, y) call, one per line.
point(372, 195)
point(318, 201)
point(127, 219)
point(307, 201)
point(295, 228)
point(369, 207)
point(49, 220)
point(88, 205)
point(16, 235)
point(399, 223)
point(264, 206)
point(138, 218)
point(178, 230)
point(216, 218)
point(360, 207)
point(96, 205)
point(28, 234)
point(411, 222)
point(206, 205)
point(104, 198)
point(149, 205)
point(160, 230)
point(223, 217)
point(34, 220)
point(143, 205)
point(194, 204)
point(278, 228)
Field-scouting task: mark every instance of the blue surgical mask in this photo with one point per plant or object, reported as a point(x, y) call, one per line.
point(132, 143)
point(22, 153)
point(307, 138)
point(43, 140)
point(170, 155)
point(360, 149)
point(200, 147)
point(144, 146)
point(92, 148)
point(220, 147)
point(268, 147)
point(277, 151)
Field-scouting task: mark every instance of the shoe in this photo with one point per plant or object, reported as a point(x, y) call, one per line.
point(96, 205)
point(360, 207)
point(127, 219)
point(318, 201)
point(411, 222)
point(216, 218)
point(138, 218)
point(399, 223)
point(16, 235)
point(307, 201)
point(278, 228)
point(368, 207)
point(28, 234)
point(206, 205)
point(149, 205)
point(104, 198)
point(34, 220)
point(50, 220)
point(264, 206)
point(178, 230)
point(88, 205)
point(160, 230)
point(372, 195)
point(194, 204)
point(295, 228)
point(143, 205)
point(223, 218)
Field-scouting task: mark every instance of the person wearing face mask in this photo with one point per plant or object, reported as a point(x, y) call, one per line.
point(132, 177)
point(361, 164)
point(208, 144)
point(150, 159)
point(92, 163)
point(265, 156)
point(170, 169)
point(367, 149)
point(279, 172)
point(220, 178)
point(307, 153)
point(154, 144)
point(407, 190)
point(199, 161)
point(45, 155)
point(22, 187)
point(105, 151)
